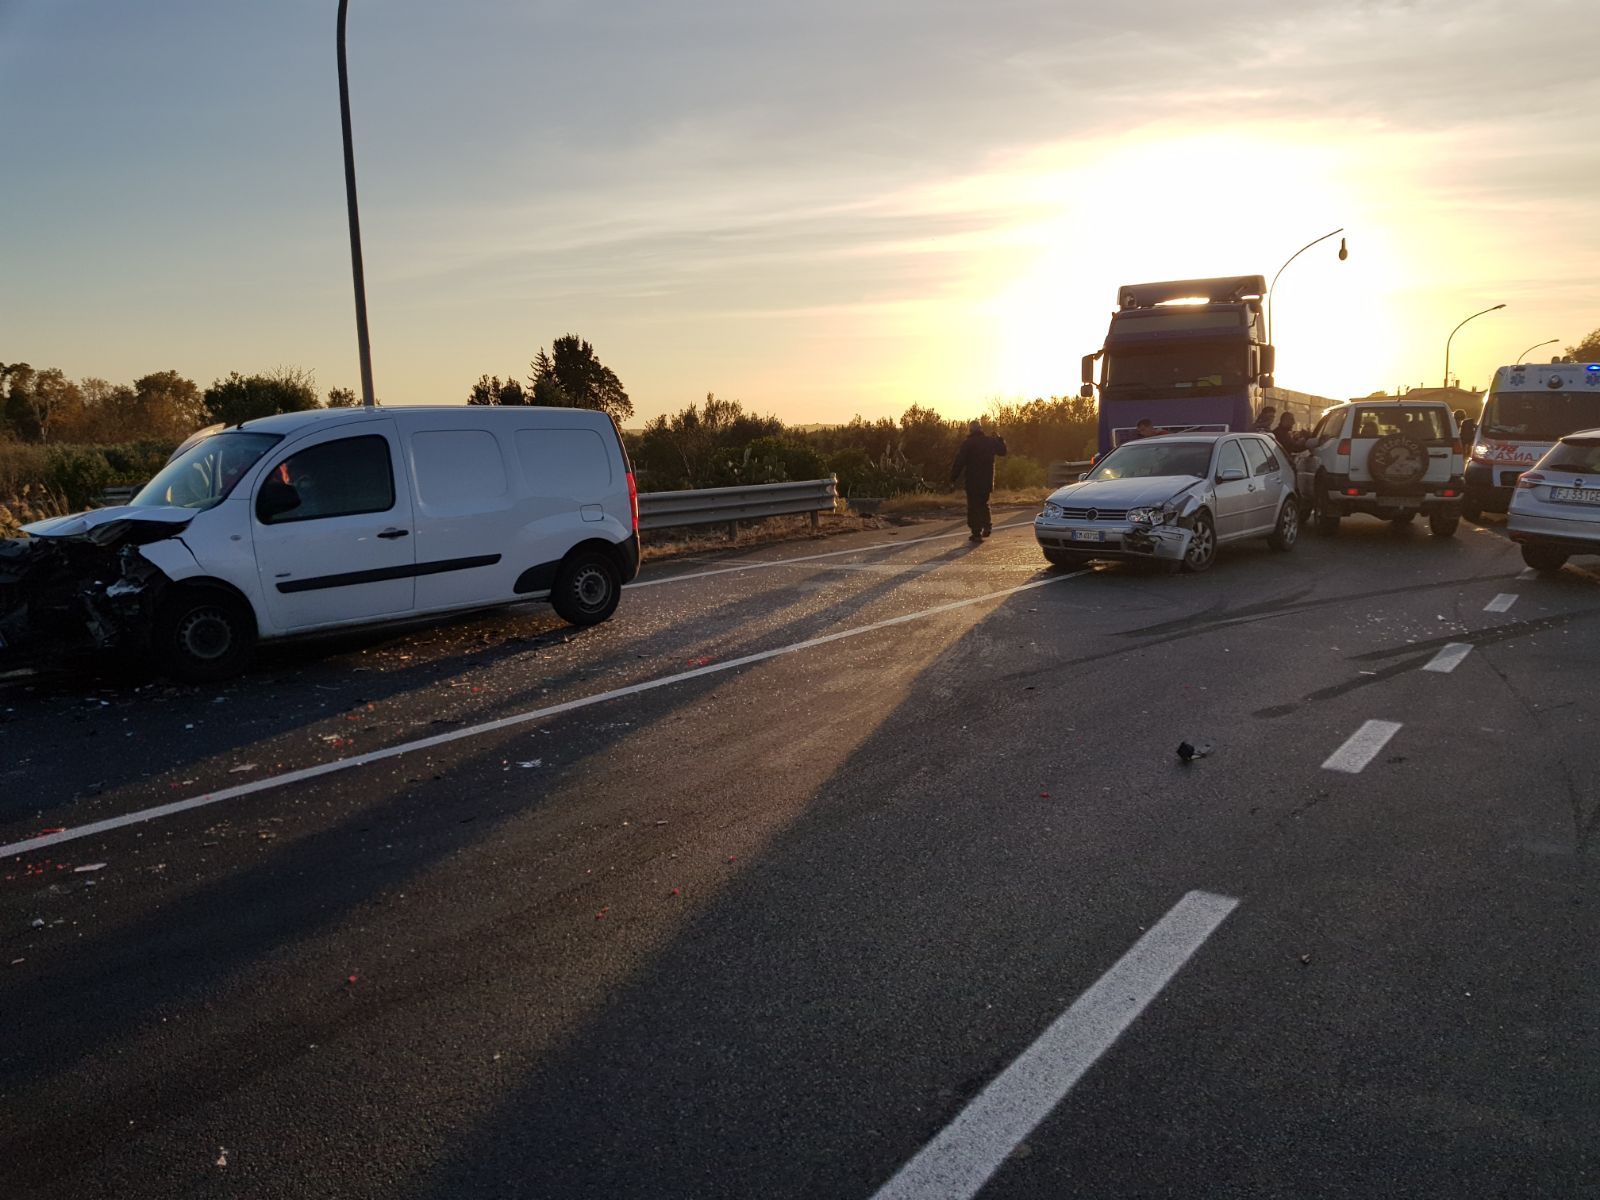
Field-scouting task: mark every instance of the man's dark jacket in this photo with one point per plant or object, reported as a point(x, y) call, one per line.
point(975, 459)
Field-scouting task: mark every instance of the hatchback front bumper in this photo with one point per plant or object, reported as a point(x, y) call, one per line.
point(1113, 539)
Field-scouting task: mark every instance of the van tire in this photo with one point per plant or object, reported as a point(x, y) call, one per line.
point(203, 635)
point(588, 587)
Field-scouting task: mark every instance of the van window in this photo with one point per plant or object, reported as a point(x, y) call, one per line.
point(457, 468)
point(333, 479)
point(570, 464)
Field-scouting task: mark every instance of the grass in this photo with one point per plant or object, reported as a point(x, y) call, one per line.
point(33, 502)
point(696, 539)
point(933, 502)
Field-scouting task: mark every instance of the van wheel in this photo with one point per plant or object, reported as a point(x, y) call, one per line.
point(587, 588)
point(203, 635)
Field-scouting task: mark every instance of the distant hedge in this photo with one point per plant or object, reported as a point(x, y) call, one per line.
point(77, 473)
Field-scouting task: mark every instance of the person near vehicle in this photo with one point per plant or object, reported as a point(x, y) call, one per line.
point(1147, 428)
point(975, 461)
point(1469, 433)
point(1292, 441)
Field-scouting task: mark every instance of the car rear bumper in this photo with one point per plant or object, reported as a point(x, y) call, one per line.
point(1578, 535)
point(1168, 543)
point(1382, 500)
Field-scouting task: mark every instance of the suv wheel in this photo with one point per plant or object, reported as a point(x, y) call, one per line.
point(1443, 524)
point(1287, 532)
point(1202, 546)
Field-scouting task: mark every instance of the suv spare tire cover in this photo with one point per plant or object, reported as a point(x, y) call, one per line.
point(1397, 459)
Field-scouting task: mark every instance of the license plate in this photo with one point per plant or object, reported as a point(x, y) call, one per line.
point(1094, 535)
point(1576, 495)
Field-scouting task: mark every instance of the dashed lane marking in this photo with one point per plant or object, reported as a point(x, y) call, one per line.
point(1527, 573)
point(525, 718)
point(805, 558)
point(1501, 603)
point(1450, 657)
point(966, 1154)
point(1361, 747)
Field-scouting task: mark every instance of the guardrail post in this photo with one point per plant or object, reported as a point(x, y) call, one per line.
point(733, 531)
point(816, 521)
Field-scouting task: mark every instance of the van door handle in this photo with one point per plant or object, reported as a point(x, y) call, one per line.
point(391, 534)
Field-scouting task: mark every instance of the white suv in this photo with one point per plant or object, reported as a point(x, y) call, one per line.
point(1391, 458)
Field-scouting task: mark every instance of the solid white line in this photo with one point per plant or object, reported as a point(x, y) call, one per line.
point(1527, 573)
point(511, 722)
point(1450, 657)
point(1501, 603)
point(957, 1163)
point(805, 558)
point(1361, 747)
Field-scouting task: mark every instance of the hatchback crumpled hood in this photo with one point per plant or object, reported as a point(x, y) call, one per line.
point(1124, 493)
point(97, 525)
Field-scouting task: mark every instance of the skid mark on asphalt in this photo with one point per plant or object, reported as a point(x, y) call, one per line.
point(966, 1154)
point(502, 723)
point(1361, 747)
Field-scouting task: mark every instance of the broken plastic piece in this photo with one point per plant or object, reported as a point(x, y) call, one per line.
point(87, 867)
point(1189, 753)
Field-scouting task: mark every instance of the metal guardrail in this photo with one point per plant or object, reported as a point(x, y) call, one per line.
point(1060, 473)
point(730, 505)
point(117, 495)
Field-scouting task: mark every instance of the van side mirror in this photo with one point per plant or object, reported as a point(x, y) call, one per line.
point(275, 499)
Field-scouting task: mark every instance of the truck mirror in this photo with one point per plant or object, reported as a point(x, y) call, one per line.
point(1268, 360)
point(1266, 381)
point(1087, 391)
point(1088, 369)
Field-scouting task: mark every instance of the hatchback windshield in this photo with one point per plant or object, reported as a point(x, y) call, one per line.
point(204, 474)
point(1152, 457)
point(1572, 455)
point(1540, 416)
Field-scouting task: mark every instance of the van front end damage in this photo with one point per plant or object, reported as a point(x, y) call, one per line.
point(91, 591)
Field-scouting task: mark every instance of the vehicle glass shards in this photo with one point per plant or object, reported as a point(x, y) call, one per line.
point(1582, 457)
point(1540, 416)
point(204, 474)
point(1420, 423)
point(1154, 457)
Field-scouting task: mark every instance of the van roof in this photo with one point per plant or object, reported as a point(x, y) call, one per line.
point(1537, 374)
point(285, 423)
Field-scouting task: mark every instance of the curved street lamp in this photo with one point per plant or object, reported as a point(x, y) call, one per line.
point(1453, 332)
point(1344, 253)
point(362, 342)
point(1523, 357)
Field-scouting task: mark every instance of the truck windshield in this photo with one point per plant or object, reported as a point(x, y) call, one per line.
point(1540, 416)
point(1154, 456)
point(204, 474)
point(1196, 369)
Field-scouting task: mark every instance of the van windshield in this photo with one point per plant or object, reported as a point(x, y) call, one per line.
point(1540, 416)
point(203, 475)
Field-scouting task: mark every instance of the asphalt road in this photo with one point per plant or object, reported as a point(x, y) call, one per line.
point(853, 868)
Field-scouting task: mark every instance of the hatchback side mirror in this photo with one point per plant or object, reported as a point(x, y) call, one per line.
point(1230, 475)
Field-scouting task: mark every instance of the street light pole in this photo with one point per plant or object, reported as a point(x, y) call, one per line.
point(1453, 333)
point(1343, 254)
point(1523, 357)
point(355, 220)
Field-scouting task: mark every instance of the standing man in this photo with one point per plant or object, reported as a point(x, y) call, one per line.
point(975, 459)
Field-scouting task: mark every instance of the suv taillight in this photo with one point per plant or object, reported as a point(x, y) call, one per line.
point(633, 501)
point(1344, 447)
point(1529, 479)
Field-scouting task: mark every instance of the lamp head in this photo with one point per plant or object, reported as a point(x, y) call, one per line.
point(1344, 252)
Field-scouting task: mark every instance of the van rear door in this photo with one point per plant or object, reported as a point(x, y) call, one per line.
point(468, 549)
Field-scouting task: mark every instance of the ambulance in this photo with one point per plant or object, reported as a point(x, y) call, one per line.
point(1528, 409)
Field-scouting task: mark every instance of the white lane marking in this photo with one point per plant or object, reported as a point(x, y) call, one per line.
point(1361, 747)
point(805, 558)
point(968, 1151)
point(1501, 603)
point(511, 722)
point(1450, 657)
point(1527, 573)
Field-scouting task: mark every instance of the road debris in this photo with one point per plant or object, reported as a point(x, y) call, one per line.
point(241, 768)
point(87, 867)
point(1188, 753)
point(222, 1156)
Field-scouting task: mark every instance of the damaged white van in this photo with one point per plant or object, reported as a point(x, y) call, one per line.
point(313, 521)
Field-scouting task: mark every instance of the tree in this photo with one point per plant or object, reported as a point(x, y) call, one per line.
point(343, 398)
point(570, 376)
point(489, 390)
point(1587, 350)
point(166, 407)
point(34, 399)
point(249, 397)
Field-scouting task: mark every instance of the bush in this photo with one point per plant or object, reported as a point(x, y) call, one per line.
point(134, 463)
point(888, 475)
point(80, 473)
point(1018, 471)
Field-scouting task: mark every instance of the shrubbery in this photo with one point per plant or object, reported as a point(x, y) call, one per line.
point(77, 474)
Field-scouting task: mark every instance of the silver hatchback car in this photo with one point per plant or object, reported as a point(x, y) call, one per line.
point(1555, 506)
point(1173, 499)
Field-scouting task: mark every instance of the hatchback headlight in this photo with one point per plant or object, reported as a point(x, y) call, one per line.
point(1053, 510)
point(1147, 516)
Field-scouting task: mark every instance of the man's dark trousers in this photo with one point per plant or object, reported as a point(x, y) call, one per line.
point(978, 519)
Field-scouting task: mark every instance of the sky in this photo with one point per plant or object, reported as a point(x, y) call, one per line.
point(818, 209)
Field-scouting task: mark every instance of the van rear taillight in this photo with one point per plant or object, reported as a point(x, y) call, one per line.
point(633, 501)
point(1344, 448)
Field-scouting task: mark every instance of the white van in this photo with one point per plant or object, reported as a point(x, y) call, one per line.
point(349, 517)
point(1527, 410)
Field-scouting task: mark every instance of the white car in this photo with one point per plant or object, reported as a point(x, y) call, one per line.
point(332, 519)
point(1390, 458)
point(1555, 506)
point(1173, 499)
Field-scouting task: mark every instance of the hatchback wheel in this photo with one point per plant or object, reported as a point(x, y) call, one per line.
point(1544, 558)
point(1287, 531)
point(1202, 545)
point(587, 588)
